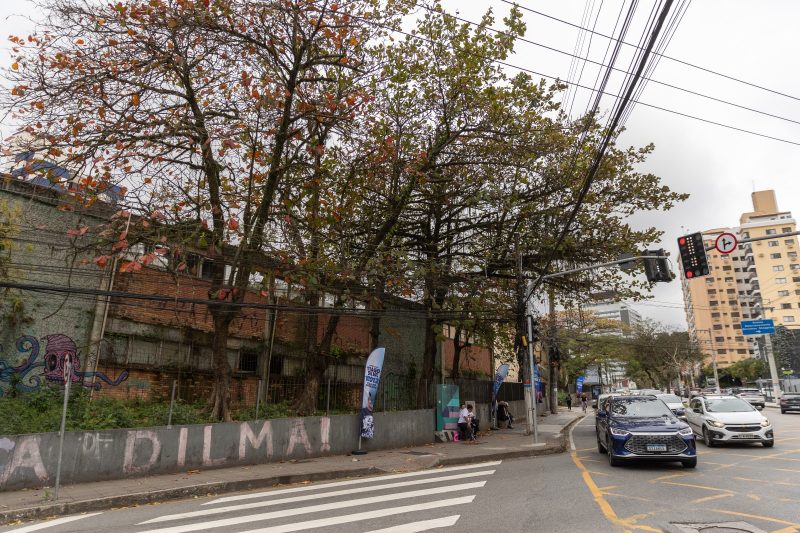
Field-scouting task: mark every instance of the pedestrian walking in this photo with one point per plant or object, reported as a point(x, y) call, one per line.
point(569, 401)
point(584, 402)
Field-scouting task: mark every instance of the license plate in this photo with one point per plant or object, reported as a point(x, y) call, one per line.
point(656, 447)
point(746, 436)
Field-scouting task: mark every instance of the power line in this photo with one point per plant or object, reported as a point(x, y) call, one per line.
point(688, 64)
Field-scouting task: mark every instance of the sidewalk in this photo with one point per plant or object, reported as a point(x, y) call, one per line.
point(492, 446)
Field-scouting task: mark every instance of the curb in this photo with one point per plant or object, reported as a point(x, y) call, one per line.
point(142, 498)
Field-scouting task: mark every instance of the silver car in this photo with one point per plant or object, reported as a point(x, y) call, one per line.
point(675, 404)
point(722, 419)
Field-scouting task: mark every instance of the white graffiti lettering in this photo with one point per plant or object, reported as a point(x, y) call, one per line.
point(182, 438)
point(246, 435)
point(130, 445)
point(297, 436)
point(207, 460)
point(26, 455)
point(325, 434)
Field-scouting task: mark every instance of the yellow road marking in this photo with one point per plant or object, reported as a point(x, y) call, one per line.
point(600, 500)
point(755, 497)
point(609, 487)
point(765, 481)
point(669, 476)
point(593, 460)
point(714, 497)
point(787, 530)
point(599, 473)
point(585, 449)
point(757, 517)
point(703, 487)
point(787, 470)
point(627, 496)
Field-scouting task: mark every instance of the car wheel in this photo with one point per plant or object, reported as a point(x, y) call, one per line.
point(768, 443)
point(783, 411)
point(600, 447)
point(707, 438)
point(613, 460)
point(690, 463)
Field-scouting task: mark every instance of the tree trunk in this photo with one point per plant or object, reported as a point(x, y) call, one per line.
point(376, 304)
point(455, 373)
point(318, 359)
point(428, 364)
point(221, 394)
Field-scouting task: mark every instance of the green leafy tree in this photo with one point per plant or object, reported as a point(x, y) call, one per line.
point(201, 110)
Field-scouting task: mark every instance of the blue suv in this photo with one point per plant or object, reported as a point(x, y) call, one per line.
point(643, 427)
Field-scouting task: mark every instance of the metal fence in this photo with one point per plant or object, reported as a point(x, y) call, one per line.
point(395, 393)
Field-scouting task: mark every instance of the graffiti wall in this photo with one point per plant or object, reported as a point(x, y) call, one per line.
point(29, 461)
point(35, 362)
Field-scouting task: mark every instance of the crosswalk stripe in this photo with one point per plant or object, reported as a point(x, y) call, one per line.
point(51, 523)
point(314, 508)
point(425, 525)
point(359, 481)
point(367, 515)
point(294, 499)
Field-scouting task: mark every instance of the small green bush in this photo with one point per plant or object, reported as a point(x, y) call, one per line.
point(40, 412)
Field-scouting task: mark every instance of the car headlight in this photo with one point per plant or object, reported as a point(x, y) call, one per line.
point(619, 432)
point(765, 423)
point(716, 424)
point(685, 432)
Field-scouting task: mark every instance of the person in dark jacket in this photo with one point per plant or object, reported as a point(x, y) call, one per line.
point(503, 413)
point(569, 402)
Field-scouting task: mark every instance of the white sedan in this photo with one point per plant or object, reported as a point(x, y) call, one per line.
point(719, 419)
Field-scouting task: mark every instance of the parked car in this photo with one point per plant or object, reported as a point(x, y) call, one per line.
point(753, 397)
point(790, 401)
point(674, 403)
point(642, 427)
point(722, 419)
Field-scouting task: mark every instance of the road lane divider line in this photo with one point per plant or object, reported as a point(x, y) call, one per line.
point(756, 517)
point(359, 481)
point(367, 515)
point(316, 496)
point(789, 529)
point(765, 481)
point(51, 523)
point(424, 525)
point(599, 497)
point(628, 496)
point(608, 487)
point(311, 508)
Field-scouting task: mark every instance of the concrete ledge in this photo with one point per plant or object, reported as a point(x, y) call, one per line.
point(556, 444)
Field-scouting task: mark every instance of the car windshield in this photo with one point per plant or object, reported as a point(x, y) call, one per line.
point(670, 398)
point(727, 405)
point(639, 407)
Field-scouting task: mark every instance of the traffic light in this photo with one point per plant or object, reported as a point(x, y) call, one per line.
point(693, 255)
point(657, 270)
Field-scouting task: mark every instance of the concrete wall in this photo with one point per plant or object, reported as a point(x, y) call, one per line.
point(35, 338)
point(29, 461)
point(517, 409)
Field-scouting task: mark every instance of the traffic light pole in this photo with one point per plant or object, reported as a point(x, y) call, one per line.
point(603, 265)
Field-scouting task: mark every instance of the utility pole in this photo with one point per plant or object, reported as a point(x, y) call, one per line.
point(552, 358)
point(523, 346)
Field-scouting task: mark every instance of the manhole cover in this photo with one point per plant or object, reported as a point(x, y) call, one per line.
point(718, 527)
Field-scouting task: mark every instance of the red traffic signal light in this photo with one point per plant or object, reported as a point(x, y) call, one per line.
point(693, 255)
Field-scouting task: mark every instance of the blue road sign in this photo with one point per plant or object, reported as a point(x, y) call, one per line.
point(758, 327)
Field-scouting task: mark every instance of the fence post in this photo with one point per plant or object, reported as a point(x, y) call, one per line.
point(67, 380)
point(171, 403)
point(328, 398)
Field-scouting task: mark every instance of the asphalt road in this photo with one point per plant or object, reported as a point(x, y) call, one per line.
point(756, 487)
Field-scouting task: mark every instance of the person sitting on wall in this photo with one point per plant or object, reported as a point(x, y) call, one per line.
point(464, 423)
point(504, 414)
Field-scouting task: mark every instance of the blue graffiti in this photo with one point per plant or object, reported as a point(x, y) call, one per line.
point(58, 350)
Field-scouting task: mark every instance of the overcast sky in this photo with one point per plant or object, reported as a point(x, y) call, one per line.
point(753, 41)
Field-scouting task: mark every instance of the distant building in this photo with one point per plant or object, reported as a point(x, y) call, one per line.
point(757, 280)
point(614, 373)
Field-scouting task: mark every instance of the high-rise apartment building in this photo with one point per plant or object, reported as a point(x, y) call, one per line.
point(757, 280)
